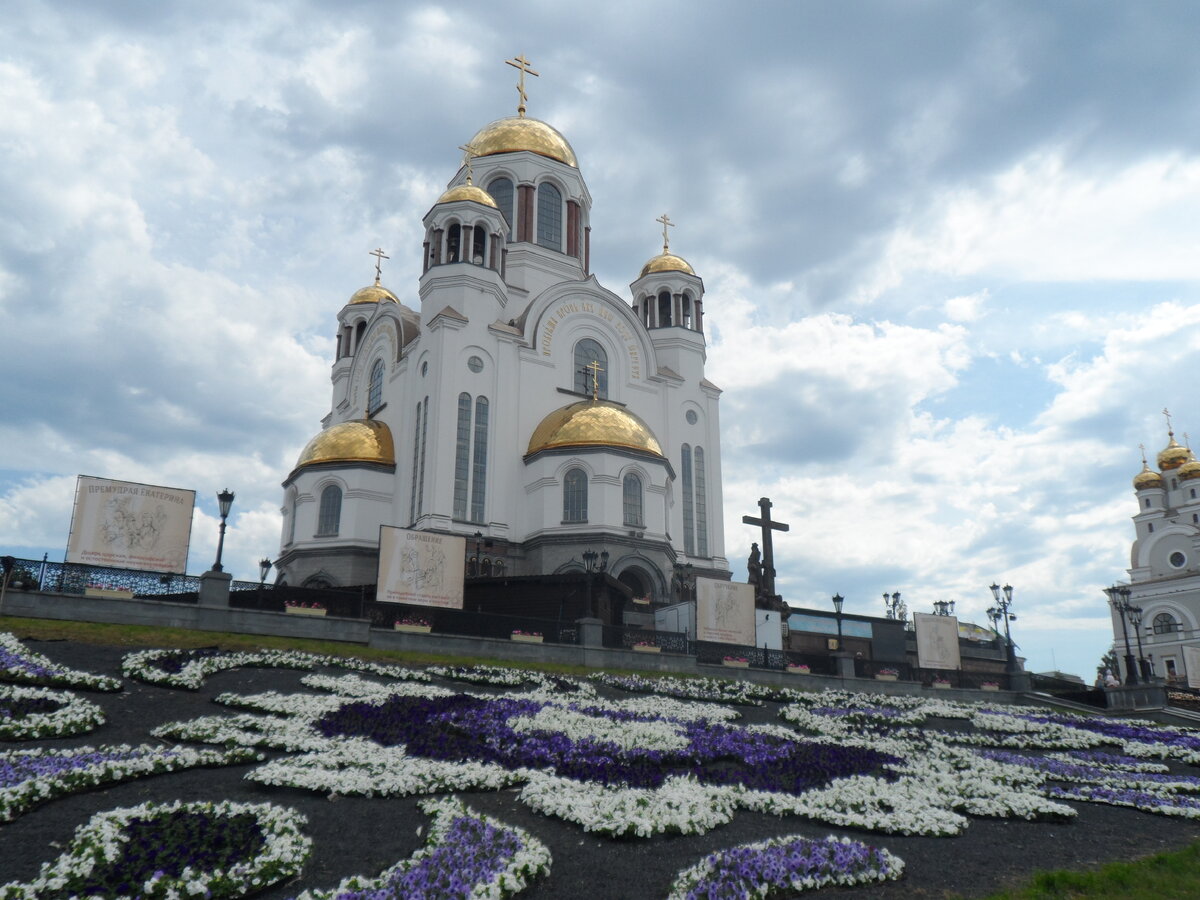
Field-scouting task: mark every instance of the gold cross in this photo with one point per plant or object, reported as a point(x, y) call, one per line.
point(468, 158)
point(521, 63)
point(665, 223)
point(594, 366)
point(1142, 447)
point(380, 256)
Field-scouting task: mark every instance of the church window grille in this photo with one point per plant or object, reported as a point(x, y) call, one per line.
point(689, 524)
point(664, 309)
point(549, 216)
point(575, 496)
point(329, 518)
point(462, 453)
point(687, 311)
point(501, 190)
point(479, 460)
point(701, 503)
point(412, 505)
point(587, 352)
point(632, 500)
point(375, 391)
point(1164, 623)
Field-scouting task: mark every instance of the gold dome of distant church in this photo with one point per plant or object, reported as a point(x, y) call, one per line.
point(1173, 455)
point(372, 293)
point(468, 192)
point(667, 262)
point(593, 423)
point(516, 133)
point(359, 440)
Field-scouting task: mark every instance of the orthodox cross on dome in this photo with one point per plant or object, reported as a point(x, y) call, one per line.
point(380, 256)
point(468, 158)
point(767, 588)
point(1167, 413)
point(1142, 447)
point(522, 64)
point(666, 223)
point(595, 369)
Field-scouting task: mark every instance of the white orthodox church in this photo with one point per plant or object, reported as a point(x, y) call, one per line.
point(1164, 568)
point(514, 400)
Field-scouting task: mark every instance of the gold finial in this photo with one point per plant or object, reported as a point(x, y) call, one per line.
point(468, 158)
point(594, 368)
point(1167, 413)
point(380, 256)
point(666, 223)
point(522, 64)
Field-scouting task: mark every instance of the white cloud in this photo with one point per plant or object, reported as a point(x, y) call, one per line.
point(966, 308)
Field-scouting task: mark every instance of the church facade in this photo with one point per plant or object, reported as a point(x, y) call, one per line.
point(514, 400)
point(1164, 566)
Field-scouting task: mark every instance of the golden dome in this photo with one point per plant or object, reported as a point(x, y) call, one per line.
point(1173, 455)
point(372, 293)
point(1146, 479)
point(468, 192)
point(360, 440)
point(667, 262)
point(517, 133)
point(1190, 469)
point(593, 423)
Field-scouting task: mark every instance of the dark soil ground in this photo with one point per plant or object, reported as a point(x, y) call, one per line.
point(360, 836)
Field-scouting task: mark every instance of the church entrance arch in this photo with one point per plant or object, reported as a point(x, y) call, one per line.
point(637, 580)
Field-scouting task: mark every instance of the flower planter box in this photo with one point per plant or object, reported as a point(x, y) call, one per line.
point(110, 593)
point(990, 687)
point(799, 670)
point(941, 685)
point(735, 663)
point(303, 611)
point(640, 648)
point(413, 629)
point(887, 677)
point(526, 638)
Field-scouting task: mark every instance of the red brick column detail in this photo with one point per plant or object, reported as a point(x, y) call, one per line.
point(587, 250)
point(525, 213)
point(573, 229)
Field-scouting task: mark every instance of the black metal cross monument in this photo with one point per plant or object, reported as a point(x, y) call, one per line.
point(768, 551)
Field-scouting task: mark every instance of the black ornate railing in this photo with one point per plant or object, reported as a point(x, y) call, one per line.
point(101, 581)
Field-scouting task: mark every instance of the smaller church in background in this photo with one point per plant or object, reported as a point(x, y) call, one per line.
point(515, 401)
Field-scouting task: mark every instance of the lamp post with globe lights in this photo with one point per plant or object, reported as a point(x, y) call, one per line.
point(224, 502)
point(1135, 619)
point(1118, 596)
point(1003, 599)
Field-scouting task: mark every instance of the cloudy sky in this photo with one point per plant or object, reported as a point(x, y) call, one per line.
point(949, 251)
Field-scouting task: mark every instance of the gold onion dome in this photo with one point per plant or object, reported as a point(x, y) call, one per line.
point(667, 262)
point(1147, 478)
point(359, 440)
point(372, 293)
point(468, 192)
point(594, 423)
point(516, 133)
point(1190, 469)
point(1173, 455)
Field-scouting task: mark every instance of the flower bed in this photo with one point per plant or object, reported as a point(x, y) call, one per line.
point(735, 662)
point(28, 712)
point(798, 670)
point(645, 647)
point(528, 637)
point(21, 665)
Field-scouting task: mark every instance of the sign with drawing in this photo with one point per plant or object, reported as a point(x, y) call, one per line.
point(937, 641)
point(725, 612)
point(130, 526)
point(420, 567)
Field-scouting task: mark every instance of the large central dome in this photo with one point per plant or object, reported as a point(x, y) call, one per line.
point(593, 423)
point(517, 133)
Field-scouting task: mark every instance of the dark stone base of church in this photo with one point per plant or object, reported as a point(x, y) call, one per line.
point(563, 598)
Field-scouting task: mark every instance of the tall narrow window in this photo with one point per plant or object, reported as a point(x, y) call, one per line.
point(588, 352)
point(632, 500)
point(424, 432)
point(462, 456)
point(549, 216)
point(358, 335)
point(575, 496)
point(701, 503)
point(479, 460)
point(689, 523)
point(501, 190)
point(453, 243)
point(412, 504)
point(664, 309)
point(375, 390)
point(479, 246)
point(686, 304)
point(329, 517)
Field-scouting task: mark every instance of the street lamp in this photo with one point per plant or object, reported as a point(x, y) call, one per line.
point(1000, 611)
point(895, 609)
point(838, 600)
point(943, 607)
point(1118, 595)
point(224, 502)
point(1135, 619)
point(264, 569)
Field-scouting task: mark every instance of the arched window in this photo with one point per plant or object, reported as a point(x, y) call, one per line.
point(462, 456)
point(498, 568)
point(631, 496)
point(453, 243)
point(575, 496)
point(421, 430)
point(501, 190)
point(549, 216)
point(358, 334)
point(701, 502)
point(587, 352)
point(470, 462)
point(479, 460)
point(687, 311)
point(689, 522)
point(664, 309)
point(329, 517)
point(486, 568)
point(1164, 623)
point(375, 389)
point(479, 246)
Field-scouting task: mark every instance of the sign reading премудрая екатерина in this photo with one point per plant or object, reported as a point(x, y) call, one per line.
point(420, 567)
point(130, 526)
